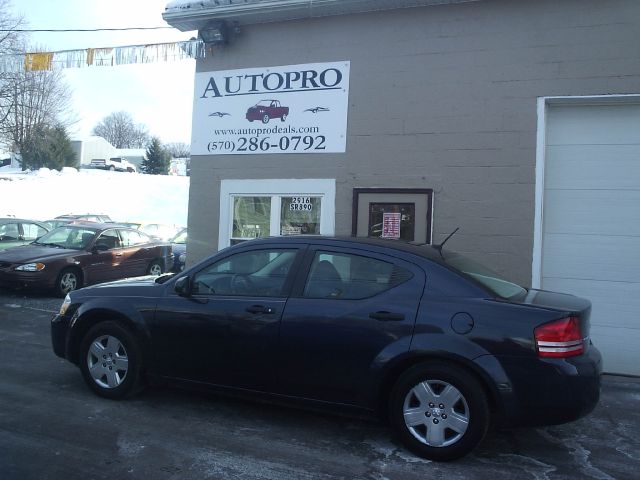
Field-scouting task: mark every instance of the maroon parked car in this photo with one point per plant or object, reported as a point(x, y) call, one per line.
point(72, 256)
point(265, 110)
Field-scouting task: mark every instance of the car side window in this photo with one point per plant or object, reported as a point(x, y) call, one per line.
point(109, 239)
point(255, 273)
point(31, 231)
point(9, 231)
point(131, 238)
point(150, 229)
point(348, 276)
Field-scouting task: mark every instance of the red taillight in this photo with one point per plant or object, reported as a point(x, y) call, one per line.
point(560, 338)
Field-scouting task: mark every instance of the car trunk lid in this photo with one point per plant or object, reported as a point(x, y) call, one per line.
point(560, 337)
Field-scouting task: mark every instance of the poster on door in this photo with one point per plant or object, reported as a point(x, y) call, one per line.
point(285, 109)
point(391, 225)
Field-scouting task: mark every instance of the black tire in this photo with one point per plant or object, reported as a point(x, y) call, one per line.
point(110, 376)
point(283, 117)
point(449, 420)
point(265, 118)
point(112, 168)
point(156, 268)
point(68, 280)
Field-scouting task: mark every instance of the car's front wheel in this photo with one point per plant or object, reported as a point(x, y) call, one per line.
point(69, 279)
point(438, 411)
point(265, 118)
point(110, 360)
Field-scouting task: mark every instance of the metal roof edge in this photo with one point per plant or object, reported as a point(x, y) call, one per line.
point(193, 15)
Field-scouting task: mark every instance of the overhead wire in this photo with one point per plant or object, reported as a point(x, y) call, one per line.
point(63, 30)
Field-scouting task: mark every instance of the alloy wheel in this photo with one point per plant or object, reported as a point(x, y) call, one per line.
point(155, 269)
point(436, 413)
point(68, 282)
point(107, 361)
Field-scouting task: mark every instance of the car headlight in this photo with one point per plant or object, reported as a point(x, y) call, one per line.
point(65, 305)
point(31, 267)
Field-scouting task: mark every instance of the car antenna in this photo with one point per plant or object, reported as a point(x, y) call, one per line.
point(439, 247)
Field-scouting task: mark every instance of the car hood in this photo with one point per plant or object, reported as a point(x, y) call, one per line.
point(127, 287)
point(30, 253)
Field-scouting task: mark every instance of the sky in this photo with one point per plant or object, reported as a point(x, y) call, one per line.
point(159, 96)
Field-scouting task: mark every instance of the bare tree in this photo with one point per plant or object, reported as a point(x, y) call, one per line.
point(37, 99)
point(178, 149)
point(30, 101)
point(10, 44)
point(120, 131)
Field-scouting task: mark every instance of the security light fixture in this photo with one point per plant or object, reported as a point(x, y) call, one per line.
point(215, 33)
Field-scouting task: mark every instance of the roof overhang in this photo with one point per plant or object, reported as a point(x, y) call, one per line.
point(187, 15)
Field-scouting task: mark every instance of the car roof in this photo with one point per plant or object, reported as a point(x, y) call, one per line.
point(80, 215)
point(14, 219)
point(97, 226)
point(422, 250)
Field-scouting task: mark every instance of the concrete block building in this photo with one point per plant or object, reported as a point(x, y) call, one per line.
point(518, 122)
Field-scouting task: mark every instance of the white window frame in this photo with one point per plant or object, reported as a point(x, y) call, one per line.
point(325, 188)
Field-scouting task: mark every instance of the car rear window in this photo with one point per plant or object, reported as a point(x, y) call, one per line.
point(489, 279)
point(348, 277)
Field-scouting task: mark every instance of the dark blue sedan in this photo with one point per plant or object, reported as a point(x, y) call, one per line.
point(179, 247)
point(428, 339)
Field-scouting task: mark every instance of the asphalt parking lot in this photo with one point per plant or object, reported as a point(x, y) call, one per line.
point(53, 427)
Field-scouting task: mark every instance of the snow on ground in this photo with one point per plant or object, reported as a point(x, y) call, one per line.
point(125, 197)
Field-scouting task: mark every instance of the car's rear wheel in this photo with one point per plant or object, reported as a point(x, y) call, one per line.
point(155, 268)
point(439, 411)
point(69, 279)
point(110, 360)
point(283, 117)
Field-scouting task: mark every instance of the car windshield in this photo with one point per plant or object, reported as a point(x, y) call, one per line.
point(75, 238)
point(181, 237)
point(485, 276)
point(263, 103)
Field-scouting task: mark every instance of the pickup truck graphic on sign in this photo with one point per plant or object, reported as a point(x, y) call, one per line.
point(265, 110)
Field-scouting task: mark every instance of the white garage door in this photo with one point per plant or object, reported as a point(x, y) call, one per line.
point(591, 221)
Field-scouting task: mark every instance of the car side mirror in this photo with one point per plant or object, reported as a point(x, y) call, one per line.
point(183, 286)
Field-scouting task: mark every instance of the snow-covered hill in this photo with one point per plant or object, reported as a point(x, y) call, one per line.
point(45, 194)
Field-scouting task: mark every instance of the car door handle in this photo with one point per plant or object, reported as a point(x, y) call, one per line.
point(387, 316)
point(260, 309)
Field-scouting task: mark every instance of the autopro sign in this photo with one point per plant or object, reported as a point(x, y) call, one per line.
point(286, 109)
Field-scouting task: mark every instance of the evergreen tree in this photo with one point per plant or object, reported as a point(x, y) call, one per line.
point(157, 160)
point(48, 147)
